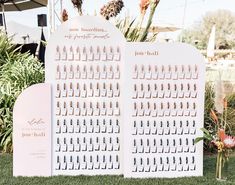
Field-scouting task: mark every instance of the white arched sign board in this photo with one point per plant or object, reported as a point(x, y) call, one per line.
point(164, 110)
point(84, 60)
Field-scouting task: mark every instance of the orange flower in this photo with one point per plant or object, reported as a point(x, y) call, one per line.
point(214, 117)
point(221, 134)
point(144, 4)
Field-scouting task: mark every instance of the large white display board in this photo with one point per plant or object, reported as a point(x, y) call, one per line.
point(84, 61)
point(113, 107)
point(164, 98)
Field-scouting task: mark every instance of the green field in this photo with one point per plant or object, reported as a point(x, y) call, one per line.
point(208, 178)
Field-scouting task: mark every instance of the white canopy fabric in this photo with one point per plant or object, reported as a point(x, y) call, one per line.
point(22, 34)
point(19, 5)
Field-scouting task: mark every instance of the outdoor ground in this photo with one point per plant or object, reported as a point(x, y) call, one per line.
point(208, 178)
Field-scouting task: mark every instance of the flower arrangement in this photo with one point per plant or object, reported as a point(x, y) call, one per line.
point(133, 32)
point(223, 143)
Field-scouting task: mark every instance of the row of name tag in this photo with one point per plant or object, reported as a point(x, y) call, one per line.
point(90, 144)
point(162, 72)
point(87, 90)
point(155, 164)
point(88, 53)
point(87, 126)
point(154, 145)
point(108, 108)
point(87, 162)
point(161, 109)
point(153, 127)
point(95, 72)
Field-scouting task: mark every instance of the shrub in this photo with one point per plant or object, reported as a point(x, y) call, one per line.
point(17, 72)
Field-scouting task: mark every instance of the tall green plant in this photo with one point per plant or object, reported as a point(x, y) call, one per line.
point(17, 72)
point(153, 6)
point(127, 26)
point(132, 30)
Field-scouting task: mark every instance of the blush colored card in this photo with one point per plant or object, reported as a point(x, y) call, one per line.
point(32, 132)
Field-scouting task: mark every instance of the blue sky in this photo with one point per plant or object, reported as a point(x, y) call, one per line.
point(169, 12)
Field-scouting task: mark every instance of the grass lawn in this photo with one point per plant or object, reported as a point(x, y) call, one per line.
point(208, 179)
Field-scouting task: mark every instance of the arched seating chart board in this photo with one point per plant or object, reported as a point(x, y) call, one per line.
point(84, 61)
point(164, 109)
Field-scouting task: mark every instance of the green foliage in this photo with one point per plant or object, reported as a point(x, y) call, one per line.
point(208, 121)
point(231, 121)
point(231, 113)
point(208, 177)
point(17, 72)
point(199, 34)
point(133, 31)
point(231, 101)
point(206, 136)
point(125, 26)
point(209, 105)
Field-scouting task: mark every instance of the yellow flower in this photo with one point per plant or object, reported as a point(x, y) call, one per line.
point(220, 146)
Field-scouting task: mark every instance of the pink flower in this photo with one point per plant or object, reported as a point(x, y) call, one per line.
point(229, 142)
